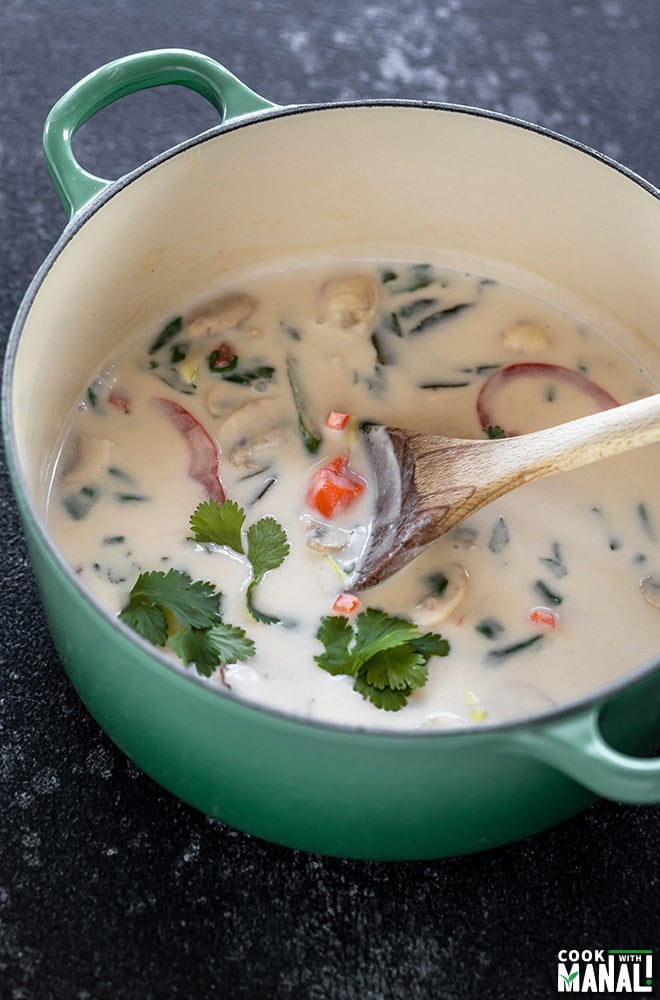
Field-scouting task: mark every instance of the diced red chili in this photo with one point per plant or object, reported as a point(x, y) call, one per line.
point(544, 617)
point(346, 604)
point(337, 421)
point(334, 487)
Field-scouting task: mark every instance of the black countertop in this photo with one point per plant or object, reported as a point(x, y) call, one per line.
point(110, 887)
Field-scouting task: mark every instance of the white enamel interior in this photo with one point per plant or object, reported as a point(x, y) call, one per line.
point(388, 181)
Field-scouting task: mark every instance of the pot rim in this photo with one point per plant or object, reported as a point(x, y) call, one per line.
point(594, 700)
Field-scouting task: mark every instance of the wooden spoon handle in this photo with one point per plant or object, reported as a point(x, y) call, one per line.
point(495, 467)
point(427, 484)
point(588, 439)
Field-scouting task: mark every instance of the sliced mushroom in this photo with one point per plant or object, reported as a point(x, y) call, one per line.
point(348, 302)
point(90, 460)
point(222, 315)
point(436, 608)
point(248, 453)
point(650, 588)
point(526, 337)
point(252, 429)
point(327, 537)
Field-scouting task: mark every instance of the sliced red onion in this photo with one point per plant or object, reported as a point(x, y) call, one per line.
point(204, 455)
point(537, 369)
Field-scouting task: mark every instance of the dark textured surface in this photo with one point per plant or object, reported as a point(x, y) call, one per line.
point(109, 887)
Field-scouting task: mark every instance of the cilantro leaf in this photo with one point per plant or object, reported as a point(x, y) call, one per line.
point(336, 634)
point(146, 619)
point(386, 656)
point(154, 593)
point(390, 701)
point(208, 648)
point(259, 616)
point(399, 669)
point(163, 603)
point(430, 644)
point(267, 547)
point(377, 631)
point(220, 523)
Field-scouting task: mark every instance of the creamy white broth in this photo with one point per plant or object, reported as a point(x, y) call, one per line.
point(364, 342)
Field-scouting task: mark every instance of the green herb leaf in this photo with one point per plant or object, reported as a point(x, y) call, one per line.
point(386, 656)
point(499, 538)
point(309, 432)
point(168, 333)
point(490, 628)
point(336, 635)
point(430, 644)
point(259, 616)
point(495, 431)
point(377, 631)
point(516, 647)
point(219, 523)
point(388, 700)
point(200, 636)
point(246, 376)
point(267, 547)
point(208, 648)
point(399, 669)
point(555, 563)
point(546, 594)
point(194, 605)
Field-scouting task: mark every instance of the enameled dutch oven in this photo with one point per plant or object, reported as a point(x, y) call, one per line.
point(271, 183)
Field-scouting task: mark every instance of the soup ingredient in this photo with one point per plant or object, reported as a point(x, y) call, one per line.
point(309, 432)
point(447, 590)
point(541, 616)
point(525, 337)
point(348, 302)
point(337, 421)
point(224, 314)
point(204, 457)
point(267, 545)
point(122, 492)
point(334, 487)
point(171, 608)
point(495, 384)
point(386, 656)
point(168, 333)
point(346, 604)
point(650, 587)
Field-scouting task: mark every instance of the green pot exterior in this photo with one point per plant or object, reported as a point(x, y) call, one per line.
point(329, 791)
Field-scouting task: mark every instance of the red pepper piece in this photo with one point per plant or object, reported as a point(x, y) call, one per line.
point(544, 617)
point(537, 369)
point(334, 487)
point(222, 356)
point(336, 421)
point(204, 455)
point(346, 604)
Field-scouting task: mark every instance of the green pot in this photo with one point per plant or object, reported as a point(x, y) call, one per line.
point(271, 183)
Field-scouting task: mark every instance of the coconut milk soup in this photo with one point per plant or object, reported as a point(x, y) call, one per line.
point(211, 488)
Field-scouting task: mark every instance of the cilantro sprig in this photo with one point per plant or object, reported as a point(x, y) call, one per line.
point(386, 656)
point(267, 545)
point(170, 609)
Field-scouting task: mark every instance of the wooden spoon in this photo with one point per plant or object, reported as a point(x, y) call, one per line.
point(426, 484)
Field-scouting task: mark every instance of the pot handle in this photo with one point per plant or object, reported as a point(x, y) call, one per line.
point(75, 186)
point(575, 746)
